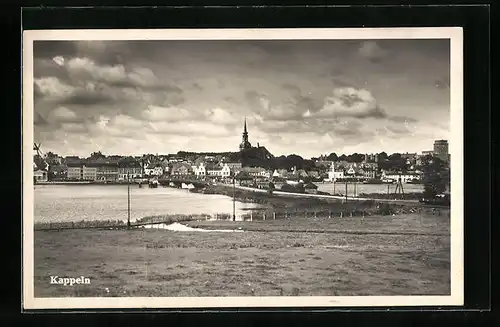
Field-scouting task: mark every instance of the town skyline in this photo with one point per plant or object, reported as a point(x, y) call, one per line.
point(299, 97)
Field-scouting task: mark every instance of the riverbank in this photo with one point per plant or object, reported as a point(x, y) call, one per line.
point(304, 204)
point(275, 261)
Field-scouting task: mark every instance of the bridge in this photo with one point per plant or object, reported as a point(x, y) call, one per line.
point(177, 181)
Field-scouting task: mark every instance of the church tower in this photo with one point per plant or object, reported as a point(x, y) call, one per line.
point(244, 142)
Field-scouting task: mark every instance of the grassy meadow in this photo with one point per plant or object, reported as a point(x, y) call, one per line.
point(405, 254)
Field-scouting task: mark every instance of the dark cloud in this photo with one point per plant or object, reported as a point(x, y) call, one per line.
point(402, 119)
point(376, 112)
point(314, 90)
point(87, 99)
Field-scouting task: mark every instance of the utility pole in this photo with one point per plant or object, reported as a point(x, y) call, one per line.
point(346, 190)
point(234, 198)
point(128, 200)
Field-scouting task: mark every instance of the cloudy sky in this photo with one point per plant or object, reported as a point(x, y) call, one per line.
point(304, 97)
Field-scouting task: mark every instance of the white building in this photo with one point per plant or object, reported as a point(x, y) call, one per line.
point(335, 173)
point(224, 171)
point(394, 177)
point(74, 172)
point(200, 170)
point(154, 170)
point(40, 175)
point(89, 173)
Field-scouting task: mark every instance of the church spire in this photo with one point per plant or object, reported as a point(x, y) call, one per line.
point(244, 142)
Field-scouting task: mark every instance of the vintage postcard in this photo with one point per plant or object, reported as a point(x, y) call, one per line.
point(218, 168)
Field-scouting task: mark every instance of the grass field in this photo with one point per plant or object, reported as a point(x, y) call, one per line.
point(385, 255)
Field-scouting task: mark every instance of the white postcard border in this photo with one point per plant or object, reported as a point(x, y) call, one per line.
point(455, 34)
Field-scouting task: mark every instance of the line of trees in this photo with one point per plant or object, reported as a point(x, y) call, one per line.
point(436, 176)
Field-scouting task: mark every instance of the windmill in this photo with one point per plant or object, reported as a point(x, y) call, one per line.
point(41, 155)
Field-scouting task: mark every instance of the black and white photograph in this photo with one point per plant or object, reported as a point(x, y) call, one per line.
point(242, 168)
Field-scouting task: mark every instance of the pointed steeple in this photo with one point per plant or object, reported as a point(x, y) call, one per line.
point(244, 142)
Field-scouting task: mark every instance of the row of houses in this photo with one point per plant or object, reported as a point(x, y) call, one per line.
point(367, 173)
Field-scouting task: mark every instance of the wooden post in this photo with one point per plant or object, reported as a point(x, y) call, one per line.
point(329, 214)
point(314, 214)
point(341, 214)
point(128, 201)
point(251, 215)
point(234, 199)
point(264, 216)
point(334, 180)
point(274, 215)
point(346, 190)
point(388, 195)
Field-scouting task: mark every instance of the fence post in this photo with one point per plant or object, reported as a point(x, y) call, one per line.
point(274, 215)
point(264, 216)
point(341, 214)
point(329, 214)
point(314, 214)
point(251, 215)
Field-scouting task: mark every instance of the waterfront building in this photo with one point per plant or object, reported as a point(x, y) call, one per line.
point(40, 175)
point(257, 172)
point(74, 170)
point(392, 176)
point(217, 171)
point(107, 171)
point(154, 170)
point(181, 168)
point(89, 172)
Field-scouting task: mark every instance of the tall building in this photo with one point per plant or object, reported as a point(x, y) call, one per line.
point(244, 142)
point(441, 149)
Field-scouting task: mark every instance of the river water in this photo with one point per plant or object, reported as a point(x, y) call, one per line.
point(103, 202)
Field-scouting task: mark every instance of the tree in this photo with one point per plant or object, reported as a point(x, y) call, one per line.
point(97, 155)
point(396, 162)
point(357, 157)
point(382, 156)
point(435, 176)
point(333, 157)
point(343, 157)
